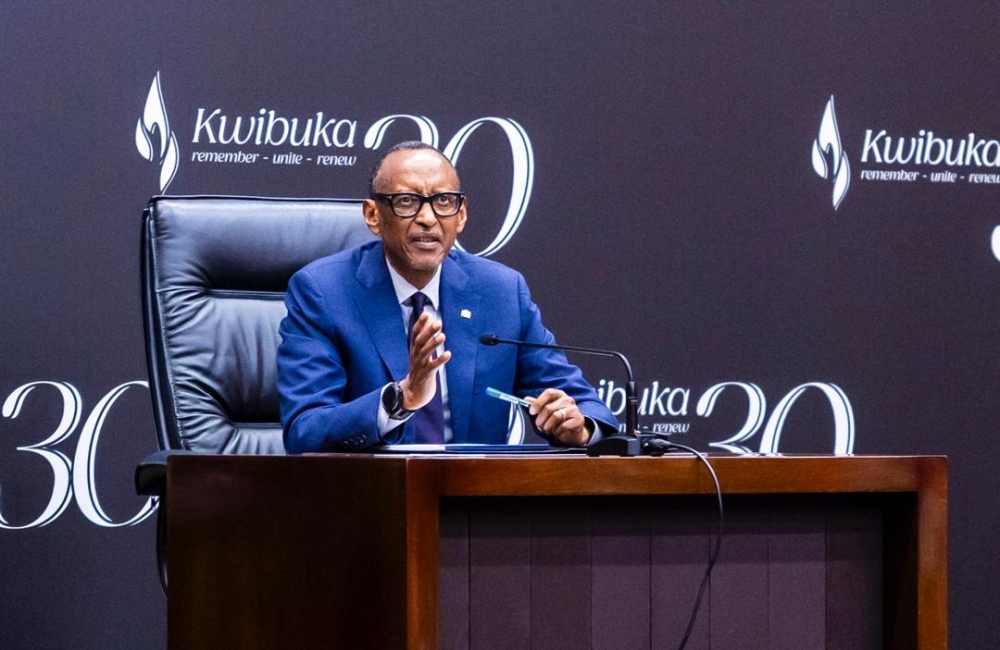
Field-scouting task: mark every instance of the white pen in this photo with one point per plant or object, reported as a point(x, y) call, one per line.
point(507, 397)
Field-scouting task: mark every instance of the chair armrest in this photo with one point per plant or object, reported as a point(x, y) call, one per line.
point(151, 474)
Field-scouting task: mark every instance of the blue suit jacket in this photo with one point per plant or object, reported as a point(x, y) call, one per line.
point(344, 339)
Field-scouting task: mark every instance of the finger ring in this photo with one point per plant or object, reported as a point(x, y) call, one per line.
point(562, 414)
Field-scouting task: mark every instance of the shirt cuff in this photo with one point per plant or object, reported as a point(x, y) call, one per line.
point(593, 428)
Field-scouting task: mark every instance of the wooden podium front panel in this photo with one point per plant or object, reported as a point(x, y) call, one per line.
point(624, 572)
point(273, 552)
point(361, 551)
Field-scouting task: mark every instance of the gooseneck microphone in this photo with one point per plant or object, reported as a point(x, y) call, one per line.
point(617, 445)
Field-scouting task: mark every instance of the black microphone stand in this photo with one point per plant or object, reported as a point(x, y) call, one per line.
point(629, 444)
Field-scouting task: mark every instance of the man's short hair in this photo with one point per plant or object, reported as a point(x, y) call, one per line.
point(409, 145)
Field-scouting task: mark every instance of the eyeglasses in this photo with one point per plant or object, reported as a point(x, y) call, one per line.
point(407, 205)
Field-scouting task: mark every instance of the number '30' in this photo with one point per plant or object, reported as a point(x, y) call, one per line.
point(71, 477)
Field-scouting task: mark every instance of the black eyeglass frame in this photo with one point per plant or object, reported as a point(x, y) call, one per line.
point(388, 198)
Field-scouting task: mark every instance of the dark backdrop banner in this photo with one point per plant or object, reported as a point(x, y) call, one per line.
point(783, 213)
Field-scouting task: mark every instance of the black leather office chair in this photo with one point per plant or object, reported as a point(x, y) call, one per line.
point(214, 274)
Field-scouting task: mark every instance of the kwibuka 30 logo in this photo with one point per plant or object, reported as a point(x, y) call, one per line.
point(828, 156)
point(927, 157)
point(318, 140)
point(154, 122)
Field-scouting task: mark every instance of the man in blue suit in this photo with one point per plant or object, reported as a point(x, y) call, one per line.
point(351, 375)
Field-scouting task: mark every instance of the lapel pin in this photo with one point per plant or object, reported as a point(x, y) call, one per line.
point(466, 313)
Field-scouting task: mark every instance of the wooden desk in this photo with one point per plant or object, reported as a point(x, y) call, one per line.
point(359, 551)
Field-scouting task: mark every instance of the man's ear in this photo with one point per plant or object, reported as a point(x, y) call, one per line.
point(463, 215)
point(370, 210)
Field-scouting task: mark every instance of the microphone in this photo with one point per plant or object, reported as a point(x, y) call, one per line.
point(629, 444)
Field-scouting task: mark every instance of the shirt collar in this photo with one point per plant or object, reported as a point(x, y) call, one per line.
point(404, 290)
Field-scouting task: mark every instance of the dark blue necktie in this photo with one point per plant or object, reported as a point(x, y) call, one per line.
point(428, 422)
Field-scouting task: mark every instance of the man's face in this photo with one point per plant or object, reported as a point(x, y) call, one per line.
point(416, 246)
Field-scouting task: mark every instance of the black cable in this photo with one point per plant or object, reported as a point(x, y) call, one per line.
point(657, 446)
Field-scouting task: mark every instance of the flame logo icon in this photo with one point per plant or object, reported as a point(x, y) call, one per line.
point(827, 143)
point(154, 122)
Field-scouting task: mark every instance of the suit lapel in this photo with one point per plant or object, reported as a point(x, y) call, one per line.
point(460, 313)
point(376, 300)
